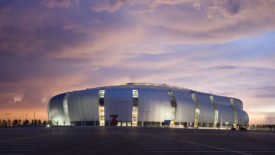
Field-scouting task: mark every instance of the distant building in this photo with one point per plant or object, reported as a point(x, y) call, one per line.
point(142, 104)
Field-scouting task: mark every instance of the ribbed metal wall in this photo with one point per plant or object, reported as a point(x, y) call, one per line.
point(55, 109)
point(83, 105)
point(207, 112)
point(238, 103)
point(226, 113)
point(154, 105)
point(90, 105)
point(185, 111)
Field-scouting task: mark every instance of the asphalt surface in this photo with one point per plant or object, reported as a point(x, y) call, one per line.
point(133, 141)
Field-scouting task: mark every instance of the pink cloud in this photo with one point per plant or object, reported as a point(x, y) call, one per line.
point(108, 5)
point(56, 3)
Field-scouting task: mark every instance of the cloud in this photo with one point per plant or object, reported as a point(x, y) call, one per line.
point(225, 67)
point(233, 7)
point(56, 3)
point(216, 21)
point(114, 5)
point(225, 8)
point(108, 5)
point(266, 92)
point(18, 98)
point(11, 97)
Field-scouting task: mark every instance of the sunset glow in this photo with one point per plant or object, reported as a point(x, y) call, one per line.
point(224, 47)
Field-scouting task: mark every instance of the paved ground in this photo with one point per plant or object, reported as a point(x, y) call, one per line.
point(133, 141)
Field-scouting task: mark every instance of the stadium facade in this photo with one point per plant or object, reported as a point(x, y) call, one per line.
point(141, 104)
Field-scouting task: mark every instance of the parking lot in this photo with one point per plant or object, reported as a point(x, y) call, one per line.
point(133, 141)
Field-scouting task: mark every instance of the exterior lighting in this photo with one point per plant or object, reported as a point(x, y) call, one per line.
point(135, 107)
point(101, 93)
point(135, 93)
point(101, 111)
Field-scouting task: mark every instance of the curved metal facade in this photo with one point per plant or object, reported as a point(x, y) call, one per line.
point(137, 104)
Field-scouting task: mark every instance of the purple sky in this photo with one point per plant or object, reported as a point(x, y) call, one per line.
point(225, 47)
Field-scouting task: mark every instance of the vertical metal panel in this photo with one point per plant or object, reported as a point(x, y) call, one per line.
point(233, 106)
point(242, 117)
point(238, 103)
point(90, 105)
point(74, 106)
point(197, 111)
point(246, 118)
point(118, 102)
point(154, 105)
point(83, 105)
point(56, 111)
point(216, 111)
point(207, 112)
point(226, 114)
point(65, 109)
point(173, 107)
point(185, 111)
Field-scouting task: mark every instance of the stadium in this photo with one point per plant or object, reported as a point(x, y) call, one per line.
point(143, 104)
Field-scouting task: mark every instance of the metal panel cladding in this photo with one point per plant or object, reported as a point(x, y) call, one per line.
point(154, 105)
point(242, 117)
point(118, 101)
point(226, 113)
point(75, 106)
point(238, 103)
point(186, 107)
point(83, 105)
point(153, 102)
point(55, 109)
point(89, 105)
point(207, 111)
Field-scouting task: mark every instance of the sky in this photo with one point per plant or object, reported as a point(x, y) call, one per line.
point(224, 47)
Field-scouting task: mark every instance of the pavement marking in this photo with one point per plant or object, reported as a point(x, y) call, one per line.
point(204, 145)
point(22, 144)
point(168, 145)
point(12, 153)
point(8, 147)
point(176, 148)
point(261, 151)
point(21, 149)
point(191, 147)
point(188, 151)
point(252, 149)
point(15, 139)
point(163, 145)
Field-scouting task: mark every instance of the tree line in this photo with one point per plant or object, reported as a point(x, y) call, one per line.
point(24, 123)
point(262, 126)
